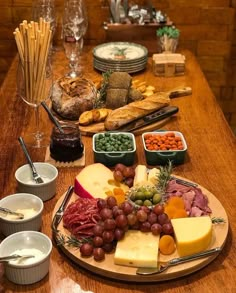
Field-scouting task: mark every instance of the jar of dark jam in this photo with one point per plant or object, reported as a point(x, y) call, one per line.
point(67, 146)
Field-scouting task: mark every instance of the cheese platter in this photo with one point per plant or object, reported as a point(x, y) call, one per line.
point(107, 267)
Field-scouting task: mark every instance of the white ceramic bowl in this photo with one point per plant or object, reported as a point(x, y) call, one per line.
point(30, 270)
point(27, 184)
point(25, 202)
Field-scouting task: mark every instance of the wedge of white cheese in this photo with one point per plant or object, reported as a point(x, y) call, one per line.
point(95, 180)
point(137, 249)
point(141, 176)
point(153, 176)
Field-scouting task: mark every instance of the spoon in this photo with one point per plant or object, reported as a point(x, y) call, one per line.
point(53, 119)
point(162, 266)
point(13, 257)
point(7, 211)
point(37, 178)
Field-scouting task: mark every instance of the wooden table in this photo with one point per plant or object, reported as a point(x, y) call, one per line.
point(210, 161)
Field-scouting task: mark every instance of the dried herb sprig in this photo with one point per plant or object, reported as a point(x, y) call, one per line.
point(164, 177)
point(71, 241)
point(102, 92)
point(217, 220)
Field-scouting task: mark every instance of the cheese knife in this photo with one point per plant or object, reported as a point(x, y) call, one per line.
point(59, 214)
point(150, 118)
point(162, 266)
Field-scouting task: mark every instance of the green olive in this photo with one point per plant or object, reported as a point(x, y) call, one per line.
point(147, 203)
point(156, 198)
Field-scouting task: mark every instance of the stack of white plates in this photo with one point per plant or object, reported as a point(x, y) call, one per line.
point(120, 56)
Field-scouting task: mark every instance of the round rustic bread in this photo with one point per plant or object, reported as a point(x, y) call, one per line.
point(72, 96)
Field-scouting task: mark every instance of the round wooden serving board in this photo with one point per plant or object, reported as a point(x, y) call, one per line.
point(109, 269)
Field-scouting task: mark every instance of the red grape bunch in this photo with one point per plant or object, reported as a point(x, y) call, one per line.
point(124, 174)
point(117, 219)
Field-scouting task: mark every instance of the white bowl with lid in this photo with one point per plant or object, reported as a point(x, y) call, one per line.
point(31, 206)
point(27, 270)
point(26, 183)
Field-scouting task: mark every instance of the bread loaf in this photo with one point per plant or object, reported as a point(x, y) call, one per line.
point(134, 110)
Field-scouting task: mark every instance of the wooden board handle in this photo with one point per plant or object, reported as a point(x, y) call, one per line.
point(185, 91)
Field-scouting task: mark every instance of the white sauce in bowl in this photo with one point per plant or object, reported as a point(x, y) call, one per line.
point(28, 213)
point(32, 181)
point(38, 255)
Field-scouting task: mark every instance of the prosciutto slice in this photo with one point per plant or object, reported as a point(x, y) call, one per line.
point(196, 203)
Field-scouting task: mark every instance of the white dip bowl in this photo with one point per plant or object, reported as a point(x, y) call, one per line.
point(27, 270)
point(29, 205)
point(27, 184)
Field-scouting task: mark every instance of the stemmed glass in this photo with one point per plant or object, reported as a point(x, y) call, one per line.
point(75, 25)
point(45, 9)
point(33, 93)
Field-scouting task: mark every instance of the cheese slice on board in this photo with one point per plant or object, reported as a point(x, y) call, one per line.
point(95, 180)
point(153, 176)
point(137, 249)
point(192, 234)
point(140, 176)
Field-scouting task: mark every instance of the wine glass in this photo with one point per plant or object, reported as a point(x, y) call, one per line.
point(33, 90)
point(75, 25)
point(45, 9)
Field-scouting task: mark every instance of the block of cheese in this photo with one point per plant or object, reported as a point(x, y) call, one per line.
point(153, 176)
point(192, 234)
point(95, 180)
point(137, 249)
point(140, 176)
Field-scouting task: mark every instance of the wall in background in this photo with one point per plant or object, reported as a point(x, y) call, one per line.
point(207, 28)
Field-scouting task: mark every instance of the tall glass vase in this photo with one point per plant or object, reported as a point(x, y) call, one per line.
point(33, 91)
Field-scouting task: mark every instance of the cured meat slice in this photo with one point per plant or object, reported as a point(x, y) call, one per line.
point(81, 216)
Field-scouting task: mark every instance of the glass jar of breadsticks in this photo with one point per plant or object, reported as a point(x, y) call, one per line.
point(34, 79)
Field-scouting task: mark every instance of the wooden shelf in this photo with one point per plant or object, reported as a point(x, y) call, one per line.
point(137, 33)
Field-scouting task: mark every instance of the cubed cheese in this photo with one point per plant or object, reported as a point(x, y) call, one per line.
point(137, 249)
point(94, 181)
point(140, 175)
point(192, 234)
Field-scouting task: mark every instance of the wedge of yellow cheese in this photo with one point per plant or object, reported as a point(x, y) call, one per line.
point(192, 234)
point(137, 249)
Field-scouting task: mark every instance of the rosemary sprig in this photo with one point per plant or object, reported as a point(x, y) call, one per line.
point(71, 241)
point(164, 177)
point(101, 96)
point(217, 220)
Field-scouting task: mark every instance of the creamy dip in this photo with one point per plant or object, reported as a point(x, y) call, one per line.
point(38, 255)
point(28, 213)
point(32, 181)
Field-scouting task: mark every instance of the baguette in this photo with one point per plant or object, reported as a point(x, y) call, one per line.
point(134, 110)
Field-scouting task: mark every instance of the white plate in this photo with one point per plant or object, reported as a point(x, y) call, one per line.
point(120, 51)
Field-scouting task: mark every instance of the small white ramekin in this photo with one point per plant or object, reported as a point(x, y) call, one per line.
point(24, 274)
point(26, 183)
point(21, 201)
